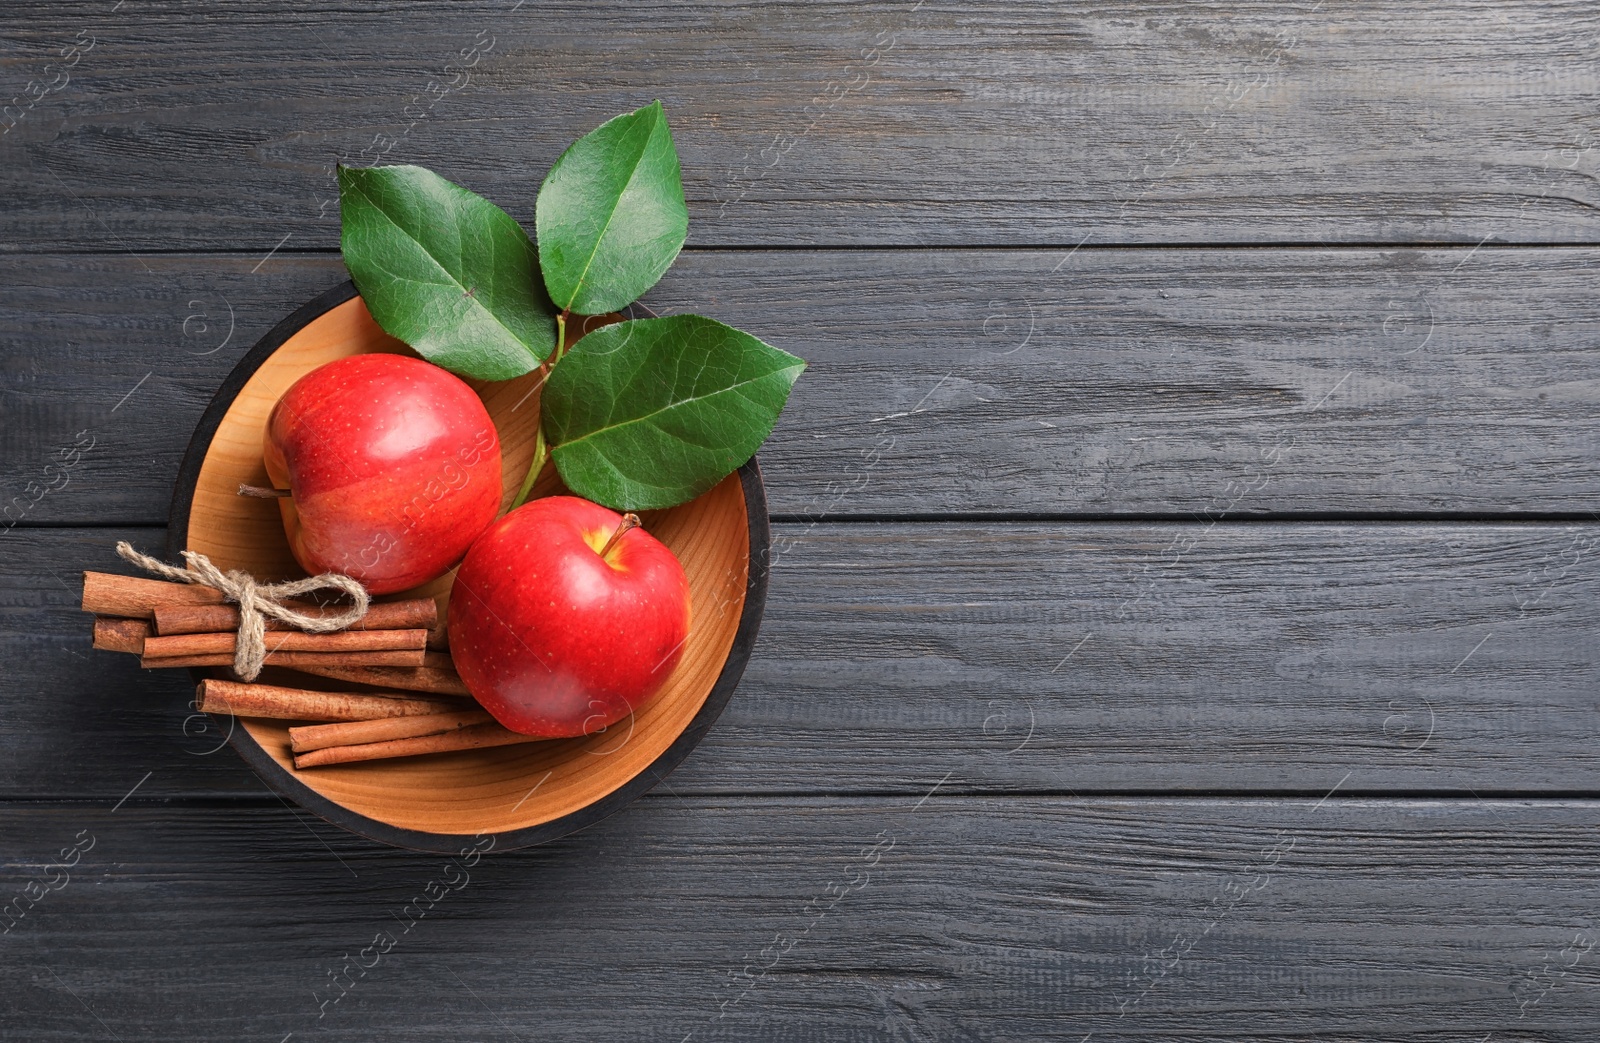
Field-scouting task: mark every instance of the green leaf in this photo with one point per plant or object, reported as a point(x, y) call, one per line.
point(653, 412)
point(611, 217)
point(445, 270)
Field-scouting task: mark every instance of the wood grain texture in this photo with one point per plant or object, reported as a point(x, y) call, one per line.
point(861, 123)
point(946, 382)
point(817, 919)
point(1063, 657)
point(892, 833)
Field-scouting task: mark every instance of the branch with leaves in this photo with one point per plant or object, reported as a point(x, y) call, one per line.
point(636, 415)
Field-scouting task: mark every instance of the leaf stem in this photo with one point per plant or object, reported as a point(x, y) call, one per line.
point(541, 452)
point(561, 336)
point(540, 455)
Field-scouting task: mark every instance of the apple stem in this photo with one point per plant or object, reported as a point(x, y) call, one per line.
point(629, 521)
point(263, 493)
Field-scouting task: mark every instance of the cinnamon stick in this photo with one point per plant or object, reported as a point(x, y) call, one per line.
point(437, 674)
point(353, 733)
point(288, 641)
point(120, 635)
point(295, 704)
point(475, 737)
point(412, 614)
point(107, 594)
point(311, 662)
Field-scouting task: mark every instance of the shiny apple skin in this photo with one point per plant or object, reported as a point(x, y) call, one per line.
point(394, 467)
point(555, 640)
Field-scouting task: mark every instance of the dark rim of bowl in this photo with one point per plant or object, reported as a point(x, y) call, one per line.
point(285, 784)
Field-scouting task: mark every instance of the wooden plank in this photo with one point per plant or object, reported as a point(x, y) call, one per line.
point(813, 919)
point(863, 123)
point(71, 712)
point(1063, 658)
point(1004, 382)
point(109, 363)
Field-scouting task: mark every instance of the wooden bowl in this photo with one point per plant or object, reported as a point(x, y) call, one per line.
point(523, 794)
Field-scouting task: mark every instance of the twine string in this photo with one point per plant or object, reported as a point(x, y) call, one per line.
point(257, 601)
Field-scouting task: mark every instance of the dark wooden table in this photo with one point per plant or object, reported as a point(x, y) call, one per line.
point(1184, 618)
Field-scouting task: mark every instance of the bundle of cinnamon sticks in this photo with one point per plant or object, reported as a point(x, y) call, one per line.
point(181, 624)
point(416, 703)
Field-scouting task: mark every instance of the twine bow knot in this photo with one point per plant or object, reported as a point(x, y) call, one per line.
point(257, 601)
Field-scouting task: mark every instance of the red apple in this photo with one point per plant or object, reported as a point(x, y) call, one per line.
point(555, 632)
point(393, 467)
